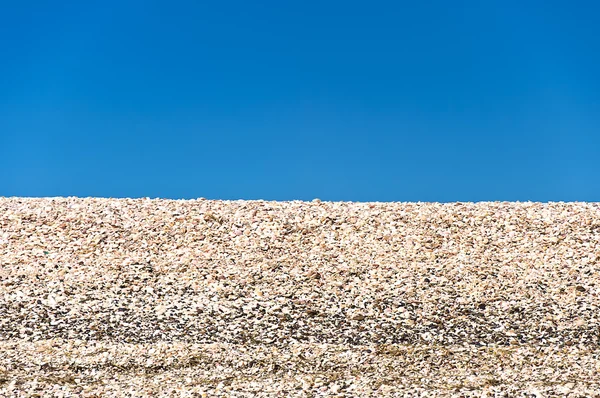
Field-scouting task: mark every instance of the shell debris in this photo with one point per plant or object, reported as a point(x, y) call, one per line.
point(139, 297)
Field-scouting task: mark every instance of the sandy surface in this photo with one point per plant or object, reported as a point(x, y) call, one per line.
point(106, 297)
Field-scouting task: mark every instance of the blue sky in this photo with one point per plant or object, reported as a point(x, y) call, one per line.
point(340, 100)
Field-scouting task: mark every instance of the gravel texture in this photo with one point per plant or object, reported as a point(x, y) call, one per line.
point(199, 298)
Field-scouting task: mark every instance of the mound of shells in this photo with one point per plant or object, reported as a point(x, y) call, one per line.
point(201, 298)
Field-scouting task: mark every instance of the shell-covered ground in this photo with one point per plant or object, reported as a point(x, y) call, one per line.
point(140, 297)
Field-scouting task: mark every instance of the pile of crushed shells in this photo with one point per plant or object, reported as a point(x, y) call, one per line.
point(202, 298)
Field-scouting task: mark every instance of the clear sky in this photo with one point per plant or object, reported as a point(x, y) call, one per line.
point(283, 100)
